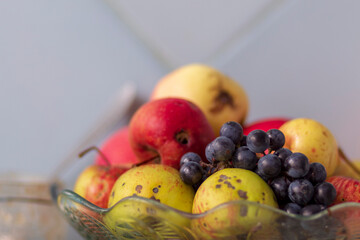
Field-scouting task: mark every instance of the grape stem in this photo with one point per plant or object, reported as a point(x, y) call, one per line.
point(348, 161)
point(203, 164)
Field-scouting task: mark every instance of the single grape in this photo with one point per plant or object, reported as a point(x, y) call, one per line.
point(190, 157)
point(317, 173)
point(296, 165)
point(244, 158)
point(277, 139)
point(209, 152)
point(223, 148)
point(311, 209)
point(258, 141)
point(301, 191)
point(292, 208)
point(197, 185)
point(191, 173)
point(266, 179)
point(280, 187)
point(232, 130)
point(324, 193)
point(269, 166)
point(283, 153)
point(243, 140)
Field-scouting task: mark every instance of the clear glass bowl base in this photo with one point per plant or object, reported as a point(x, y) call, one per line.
point(141, 218)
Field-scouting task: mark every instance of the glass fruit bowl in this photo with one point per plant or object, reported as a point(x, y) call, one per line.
point(142, 218)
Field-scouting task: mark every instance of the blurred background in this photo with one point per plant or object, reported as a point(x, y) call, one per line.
point(62, 63)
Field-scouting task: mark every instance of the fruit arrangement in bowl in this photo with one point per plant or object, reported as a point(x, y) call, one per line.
point(188, 166)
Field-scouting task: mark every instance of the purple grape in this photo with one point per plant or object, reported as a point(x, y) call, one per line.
point(296, 165)
point(301, 191)
point(232, 130)
point(258, 141)
point(277, 139)
point(191, 173)
point(292, 208)
point(317, 173)
point(266, 179)
point(223, 148)
point(311, 209)
point(244, 158)
point(324, 193)
point(190, 157)
point(243, 140)
point(197, 185)
point(280, 187)
point(209, 152)
point(269, 166)
point(283, 153)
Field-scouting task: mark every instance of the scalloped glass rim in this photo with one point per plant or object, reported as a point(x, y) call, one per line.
point(90, 220)
point(77, 198)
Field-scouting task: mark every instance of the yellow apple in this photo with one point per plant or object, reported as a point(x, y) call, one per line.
point(220, 98)
point(153, 181)
point(227, 185)
point(313, 139)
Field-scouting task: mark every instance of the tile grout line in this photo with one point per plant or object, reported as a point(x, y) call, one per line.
point(224, 53)
point(155, 52)
point(220, 56)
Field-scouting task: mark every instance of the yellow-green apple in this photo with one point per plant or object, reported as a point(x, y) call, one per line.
point(231, 184)
point(165, 129)
point(344, 169)
point(347, 189)
point(154, 181)
point(158, 182)
point(313, 139)
point(95, 183)
point(265, 124)
point(117, 149)
point(220, 98)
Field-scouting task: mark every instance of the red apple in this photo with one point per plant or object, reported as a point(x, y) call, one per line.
point(117, 149)
point(347, 189)
point(95, 183)
point(167, 128)
point(265, 124)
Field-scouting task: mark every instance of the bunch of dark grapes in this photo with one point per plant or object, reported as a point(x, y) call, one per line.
point(299, 186)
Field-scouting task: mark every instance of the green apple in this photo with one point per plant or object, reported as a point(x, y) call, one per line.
point(232, 184)
point(155, 181)
point(158, 182)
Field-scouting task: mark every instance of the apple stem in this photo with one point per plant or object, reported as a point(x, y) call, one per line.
point(98, 151)
point(348, 161)
point(156, 159)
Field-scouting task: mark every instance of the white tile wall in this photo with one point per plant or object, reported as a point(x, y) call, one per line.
point(180, 32)
point(306, 64)
point(61, 62)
